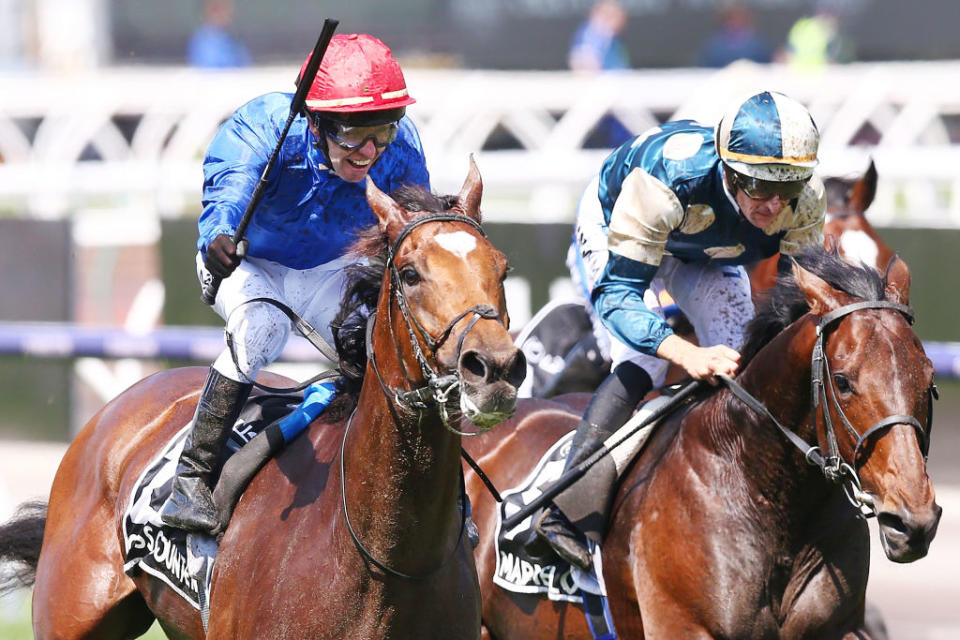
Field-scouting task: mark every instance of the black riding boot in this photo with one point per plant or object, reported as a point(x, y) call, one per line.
point(190, 506)
point(609, 409)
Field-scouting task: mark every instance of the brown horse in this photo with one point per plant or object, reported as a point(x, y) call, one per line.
point(846, 227)
point(722, 528)
point(354, 529)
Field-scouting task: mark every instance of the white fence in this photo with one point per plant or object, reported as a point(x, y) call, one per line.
point(132, 139)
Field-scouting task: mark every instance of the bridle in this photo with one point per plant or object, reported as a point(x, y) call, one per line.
point(823, 392)
point(440, 389)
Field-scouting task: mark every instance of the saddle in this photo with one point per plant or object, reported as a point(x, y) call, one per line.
point(562, 352)
point(185, 561)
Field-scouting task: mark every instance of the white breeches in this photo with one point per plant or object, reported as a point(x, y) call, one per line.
point(260, 330)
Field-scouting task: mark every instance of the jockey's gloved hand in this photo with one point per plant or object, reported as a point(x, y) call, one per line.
point(223, 256)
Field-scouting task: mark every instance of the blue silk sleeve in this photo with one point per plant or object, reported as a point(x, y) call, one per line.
point(235, 159)
point(618, 301)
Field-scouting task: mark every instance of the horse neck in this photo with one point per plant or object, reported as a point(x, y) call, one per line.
point(402, 467)
point(779, 377)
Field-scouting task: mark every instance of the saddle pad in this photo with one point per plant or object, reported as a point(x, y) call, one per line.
point(516, 569)
point(185, 563)
point(520, 572)
point(151, 546)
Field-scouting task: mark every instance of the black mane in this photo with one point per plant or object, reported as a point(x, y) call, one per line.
point(784, 303)
point(364, 281)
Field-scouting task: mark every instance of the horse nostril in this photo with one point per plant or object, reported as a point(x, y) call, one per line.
point(892, 522)
point(483, 370)
point(472, 364)
point(517, 371)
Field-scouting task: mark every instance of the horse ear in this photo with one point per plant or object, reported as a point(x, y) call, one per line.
point(897, 280)
point(470, 194)
point(820, 296)
point(864, 190)
point(390, 216)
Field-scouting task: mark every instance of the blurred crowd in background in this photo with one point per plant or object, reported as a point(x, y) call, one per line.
point(491, 34)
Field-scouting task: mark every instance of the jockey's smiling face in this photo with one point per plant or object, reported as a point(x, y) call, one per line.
point(351, 165)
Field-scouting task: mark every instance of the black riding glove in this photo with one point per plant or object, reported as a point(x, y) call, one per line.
point(223, 256)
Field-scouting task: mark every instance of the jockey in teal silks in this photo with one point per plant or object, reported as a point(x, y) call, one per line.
point(353, 126)
point(682, 208)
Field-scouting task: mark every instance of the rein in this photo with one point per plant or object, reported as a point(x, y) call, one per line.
point(823, 391)
point(356, 539)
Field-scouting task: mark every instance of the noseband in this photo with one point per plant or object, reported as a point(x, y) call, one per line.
point(440, 390)
point(823, 392)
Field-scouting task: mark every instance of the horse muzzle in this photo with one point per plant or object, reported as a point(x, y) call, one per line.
point(906, 534)
point(488, 384)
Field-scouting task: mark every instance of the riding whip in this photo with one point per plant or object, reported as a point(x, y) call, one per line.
point(577, 472)
point(211, 286)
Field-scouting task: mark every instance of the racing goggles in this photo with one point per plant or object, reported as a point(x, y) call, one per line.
point(351, 138)
point(757, 189)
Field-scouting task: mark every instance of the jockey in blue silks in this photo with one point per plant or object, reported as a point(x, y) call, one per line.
point(353, 126)
point(682, 208)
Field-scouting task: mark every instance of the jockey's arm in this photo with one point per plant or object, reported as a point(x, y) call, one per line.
point(644, 214)
point(231, 169)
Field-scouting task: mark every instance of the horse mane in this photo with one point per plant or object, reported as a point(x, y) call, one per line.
point(782, 305)
point(363, 282)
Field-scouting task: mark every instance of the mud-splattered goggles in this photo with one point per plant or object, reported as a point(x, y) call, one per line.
point(757, 189)
point(351, 138)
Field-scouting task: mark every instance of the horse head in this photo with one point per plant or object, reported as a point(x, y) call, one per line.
point(847, 226)
point(445, 293)
point(875, 386)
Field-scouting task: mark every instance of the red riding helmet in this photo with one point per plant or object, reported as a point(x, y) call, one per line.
point(358, 73)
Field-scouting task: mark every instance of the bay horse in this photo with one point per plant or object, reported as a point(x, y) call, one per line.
point(846, 227)
point(721, 528)
point(354, 530)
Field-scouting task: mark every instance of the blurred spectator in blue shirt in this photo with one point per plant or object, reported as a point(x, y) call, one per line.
point(736, 38)
point(597, 45)
point(212, 46)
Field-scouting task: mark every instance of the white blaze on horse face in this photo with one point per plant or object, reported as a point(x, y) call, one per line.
point(459, 243)
point(859, 246)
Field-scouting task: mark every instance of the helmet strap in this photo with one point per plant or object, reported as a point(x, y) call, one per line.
point(320, 142)
point(729, 178)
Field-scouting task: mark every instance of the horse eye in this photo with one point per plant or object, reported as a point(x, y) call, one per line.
point(410, 276)
point(842, 383)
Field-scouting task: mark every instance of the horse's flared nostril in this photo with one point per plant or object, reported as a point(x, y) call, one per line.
point(517, 369)
point(472, 367)
point(487, 368)
point(906, 536)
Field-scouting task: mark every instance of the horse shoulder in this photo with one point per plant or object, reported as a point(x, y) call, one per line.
point(291, 505)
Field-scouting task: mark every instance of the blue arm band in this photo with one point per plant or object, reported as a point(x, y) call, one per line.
point(316, 398)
